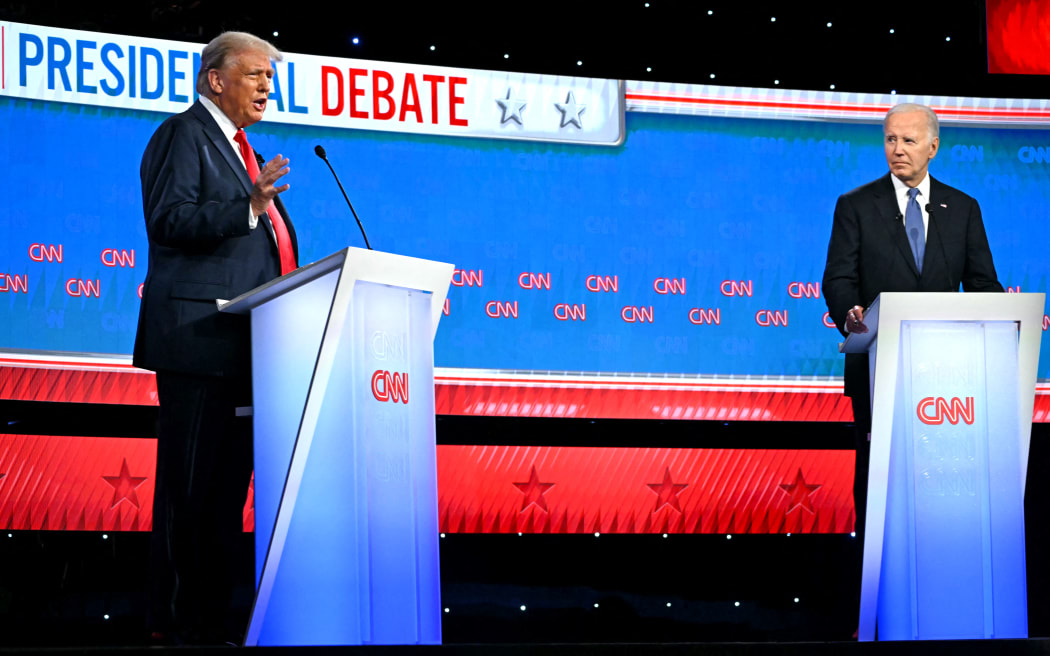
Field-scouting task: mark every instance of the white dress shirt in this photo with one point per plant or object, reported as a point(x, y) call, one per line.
point(229, 130)
point(922, 198)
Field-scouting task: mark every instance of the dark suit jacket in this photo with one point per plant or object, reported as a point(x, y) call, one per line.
point(869, 254)
point(195, 197)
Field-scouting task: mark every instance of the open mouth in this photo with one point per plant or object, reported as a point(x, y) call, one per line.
point(259, 104)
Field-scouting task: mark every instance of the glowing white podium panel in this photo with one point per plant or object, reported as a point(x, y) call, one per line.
point(346, 530)
point(953, 388)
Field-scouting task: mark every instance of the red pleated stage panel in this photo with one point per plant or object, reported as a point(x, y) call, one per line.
point(98, 483)
point(73, 378)
point(52, 482)
point(55, 482)
point(528, 489)
point(640, 397)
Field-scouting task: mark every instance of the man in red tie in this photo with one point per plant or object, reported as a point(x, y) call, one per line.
point(216, 229)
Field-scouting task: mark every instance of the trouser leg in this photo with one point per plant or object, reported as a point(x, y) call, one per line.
point(203, 467)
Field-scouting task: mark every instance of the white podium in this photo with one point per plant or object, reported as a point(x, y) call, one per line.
point(953, 386)
point(346, 527)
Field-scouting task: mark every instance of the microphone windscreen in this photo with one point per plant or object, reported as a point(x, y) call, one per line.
point(320, 151)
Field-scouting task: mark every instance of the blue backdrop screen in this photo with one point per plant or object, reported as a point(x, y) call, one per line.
point(696, 246)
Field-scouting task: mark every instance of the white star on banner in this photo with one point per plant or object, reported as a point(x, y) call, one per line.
point(512, 109)
point(570, 111)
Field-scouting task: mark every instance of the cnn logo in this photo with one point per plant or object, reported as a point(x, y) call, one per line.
point(935, 410)
point(390, 386)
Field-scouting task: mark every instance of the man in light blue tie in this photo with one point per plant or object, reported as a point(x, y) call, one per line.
point(905, 232)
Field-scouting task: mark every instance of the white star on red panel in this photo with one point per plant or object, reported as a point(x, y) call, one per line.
point(800, 491)
point(534, 490)
point(124, 485)
point(667, 492)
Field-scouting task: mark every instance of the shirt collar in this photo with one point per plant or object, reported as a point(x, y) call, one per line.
point(225, 124)
point(901, 189)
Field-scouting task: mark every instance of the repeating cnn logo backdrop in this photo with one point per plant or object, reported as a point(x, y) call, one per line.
point(648, 255)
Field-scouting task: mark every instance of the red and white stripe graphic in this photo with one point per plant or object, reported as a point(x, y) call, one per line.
point(706, 100)
point(77, 378)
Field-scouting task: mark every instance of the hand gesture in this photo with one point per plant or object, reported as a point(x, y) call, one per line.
point(264, 190)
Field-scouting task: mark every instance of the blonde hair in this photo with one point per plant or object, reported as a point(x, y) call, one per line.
point(226, 47)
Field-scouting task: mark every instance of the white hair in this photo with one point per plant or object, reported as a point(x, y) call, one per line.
point(933, 127)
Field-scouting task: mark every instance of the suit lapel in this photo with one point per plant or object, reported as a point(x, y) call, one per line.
point(889, 210)
point(211, 129)
point(939, 224)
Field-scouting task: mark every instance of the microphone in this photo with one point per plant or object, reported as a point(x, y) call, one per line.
point(319, 151)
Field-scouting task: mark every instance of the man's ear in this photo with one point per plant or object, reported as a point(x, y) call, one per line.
point(215, 81)
point(933, 146)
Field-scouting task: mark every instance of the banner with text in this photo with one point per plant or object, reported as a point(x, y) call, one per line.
point(109, 70)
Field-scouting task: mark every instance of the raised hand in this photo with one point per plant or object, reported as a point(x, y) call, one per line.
point(264, 190)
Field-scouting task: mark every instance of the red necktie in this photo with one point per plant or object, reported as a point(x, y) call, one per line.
point(284, 242)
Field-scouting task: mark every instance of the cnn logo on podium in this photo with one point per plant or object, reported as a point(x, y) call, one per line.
point(934, 410)
point(390, 386)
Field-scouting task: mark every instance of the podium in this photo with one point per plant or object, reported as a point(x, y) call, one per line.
point(346, 528)
point(953, 387)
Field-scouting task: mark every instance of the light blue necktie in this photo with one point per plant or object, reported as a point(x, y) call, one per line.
point(913, 226)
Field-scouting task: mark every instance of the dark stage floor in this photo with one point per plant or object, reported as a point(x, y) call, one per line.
point(78, 589)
